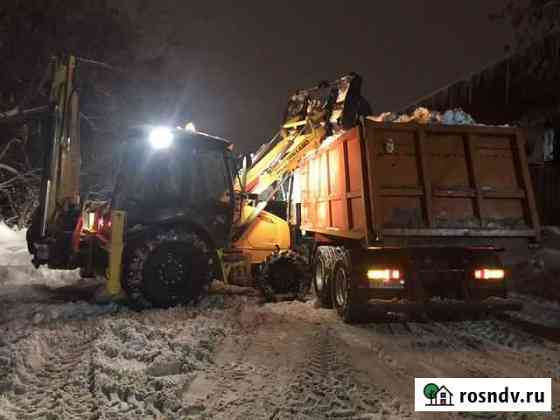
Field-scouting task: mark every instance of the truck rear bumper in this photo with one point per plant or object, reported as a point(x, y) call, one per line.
point(403, 306)
point(424, 274)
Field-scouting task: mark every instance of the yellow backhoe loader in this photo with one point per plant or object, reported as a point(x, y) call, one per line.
point(183, 211)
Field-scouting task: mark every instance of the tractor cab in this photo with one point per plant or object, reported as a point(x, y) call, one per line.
point(170, 213)
point(159, 235)
point(169, 175)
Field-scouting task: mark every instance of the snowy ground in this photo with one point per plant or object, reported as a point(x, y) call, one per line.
point(232, 358)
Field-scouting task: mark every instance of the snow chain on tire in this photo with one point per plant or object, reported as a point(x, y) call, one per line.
point(285, 272)
point(327, 257)
point(349, 310)
point(186, 246)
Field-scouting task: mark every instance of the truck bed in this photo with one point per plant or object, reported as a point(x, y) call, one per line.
point(391, 180)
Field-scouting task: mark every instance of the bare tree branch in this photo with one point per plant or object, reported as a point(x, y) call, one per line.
point(100, 64)
point(8, 168)
point(7, 147)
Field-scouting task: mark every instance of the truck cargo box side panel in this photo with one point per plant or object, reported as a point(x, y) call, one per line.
point(356, 210)
point(336, 172)
point(333, 200)
point(449, 175)
point(393, 162)
point(431, 177)
point(496, 163)
point(497, 173)
point(421, 180)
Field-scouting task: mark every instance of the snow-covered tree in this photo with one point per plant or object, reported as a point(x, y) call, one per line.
point(31, 32)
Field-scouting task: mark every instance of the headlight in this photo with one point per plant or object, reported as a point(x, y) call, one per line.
point(161, 137)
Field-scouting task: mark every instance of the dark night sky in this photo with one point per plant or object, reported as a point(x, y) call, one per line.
point(241, 60)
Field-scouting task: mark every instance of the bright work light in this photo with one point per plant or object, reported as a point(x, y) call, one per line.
point(161, 137)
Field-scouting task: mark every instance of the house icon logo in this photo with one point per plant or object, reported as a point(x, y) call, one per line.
point(438, 396)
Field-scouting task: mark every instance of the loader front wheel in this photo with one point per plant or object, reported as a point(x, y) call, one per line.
point(169, 269)
point(285, 273)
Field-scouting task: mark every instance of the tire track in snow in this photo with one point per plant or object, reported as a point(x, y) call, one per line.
point(244, 383)
point(62, 385)
point(326, 387)
point(523, 349)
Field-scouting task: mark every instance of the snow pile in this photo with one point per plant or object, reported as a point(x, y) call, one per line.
point(13, 248)
point(9, 235)
point(538, 273)
point(16, 269)
point(73, 311)
point(538, 311)
point(130, 365)
point(425, 116)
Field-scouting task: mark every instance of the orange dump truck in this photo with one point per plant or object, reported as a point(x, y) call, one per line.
point(403, 217)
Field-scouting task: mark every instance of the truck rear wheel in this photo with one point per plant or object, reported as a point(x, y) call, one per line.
point(169, 268)
point(341, 293)
point(321, 279)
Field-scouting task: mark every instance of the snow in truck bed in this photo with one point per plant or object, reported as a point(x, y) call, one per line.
point(425, 116)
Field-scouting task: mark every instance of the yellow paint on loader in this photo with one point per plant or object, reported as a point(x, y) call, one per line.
point(267, 233)
point(116, 246)
point(65, 166)
point(284, 158)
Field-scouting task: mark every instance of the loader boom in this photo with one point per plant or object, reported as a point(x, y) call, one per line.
point(60, 185)
point(56, 217)
point(311, 116)
point(61, 180)
point(262, 230)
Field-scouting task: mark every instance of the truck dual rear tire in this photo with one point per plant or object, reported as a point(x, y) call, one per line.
point(168, 268)
point(332, 282)
point(343, 296)
point(321, 283)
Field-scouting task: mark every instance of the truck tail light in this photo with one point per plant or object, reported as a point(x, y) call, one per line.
point(489, 274)
point(384, 274)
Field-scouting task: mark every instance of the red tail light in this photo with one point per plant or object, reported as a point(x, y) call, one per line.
point(489, 274)
point(384, 274)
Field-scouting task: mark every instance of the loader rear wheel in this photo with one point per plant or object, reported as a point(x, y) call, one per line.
point(168, 269)
point(321, 279)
